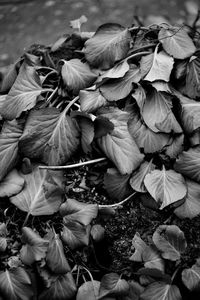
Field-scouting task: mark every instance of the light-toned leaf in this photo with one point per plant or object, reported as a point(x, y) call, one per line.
point(9, 78)
point(2, 101)
point(139, 95)
point(11, 184)
point(91, 100)
point(76, 24)
point(110, 44)
point(23, 94)
point(188, 163)
point(146, 254)
point(77, 75)
point(63, 288)
point(113, 285)
point(42, 194)
point(15, 284)
point(118, 71)
point(175, 146)
point(88, 290)
point(97, 232)
point(118, 89)
point(176, 42)
point(50, 136)
point(165, 186)
point(75, 235)
point(9, 139)
point(170, 241)
point(137, 178)
point(191, 207)
point(146, 64)
point(118, 145)
point(73, 210)
point(116, 185)
point(192, 81)
point(161, 291)
point(191, 277)
point(3, 244)
point(55, 257)
point(35, 248)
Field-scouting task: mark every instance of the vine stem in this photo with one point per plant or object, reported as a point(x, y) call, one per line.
point(52, 95)
point(89, 162)
point(136, 55)
point(26, 219)
point(137, 28)
point(117, 204)
point(69, 105)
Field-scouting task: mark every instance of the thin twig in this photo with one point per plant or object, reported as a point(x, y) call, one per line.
point(117, 204)
point(84, 163)
point(137, 28)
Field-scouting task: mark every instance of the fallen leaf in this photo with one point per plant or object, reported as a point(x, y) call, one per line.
point(12, 184)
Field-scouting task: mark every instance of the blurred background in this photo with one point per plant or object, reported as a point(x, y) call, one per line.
point(24, 22)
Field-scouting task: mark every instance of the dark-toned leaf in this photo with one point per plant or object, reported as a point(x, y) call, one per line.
point(135, 290)
point(42, 136)
point(9, 139)
point(188, 163)
point(192, 88)
point(176, 42)
point(113, 285)
point(146, 254)
point(12, 184)
point(9, 78)
point(75, 235)
point(76, 75)
point(117, 185)
point(87, 133)
point(161, 291)
point(15, 284)
point(191, 207)
point(119, 146)
point(137, 178)
point(23, 94)
point(170, 240)
point(55, 256)
point(102, 126)
point(175, 146)
point(42, 194)
point(117, 89)
point(191, 277)
point(91, 100)
point(35, 248)
point(165, 186)
point(63, 288)
point(110, 43)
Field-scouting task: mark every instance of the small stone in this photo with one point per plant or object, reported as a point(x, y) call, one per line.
point(50, 3)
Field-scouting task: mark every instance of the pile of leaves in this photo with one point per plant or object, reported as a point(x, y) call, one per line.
point(126, 99)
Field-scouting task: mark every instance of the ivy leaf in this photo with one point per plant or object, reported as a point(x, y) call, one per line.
point(175, 146)
point(113, 285)
point(146, 254)
point(165, 186)
point(192, 81)
point(161, 291)
point(91, 100)
point(191, 277)
point(2, 101)
point(135, 290)
point(170, 241)
point(191, 207)
point(88, 290)
point(73, 210)
point(42, 194)
point(118, 71)
point(35, 248)
point(162, 65)
point(55, 256)
point(176, 42)
point(114, 90)
point(42, 136)
point(76, 75)
point(188, 163)
point(9, 138)
point(137, 178)
point(97, 233)
point(15, 284)
point(63, 288)
point(9, 78)
point(23, 94)
point(87, 133)
point(12, 184)
point(116, 185)
point(110, 43)
point(75, 235)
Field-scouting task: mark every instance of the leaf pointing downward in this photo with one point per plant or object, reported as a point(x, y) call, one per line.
point(161, 291)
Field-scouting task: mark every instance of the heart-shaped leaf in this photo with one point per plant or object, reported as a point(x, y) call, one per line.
point(16, 284)
point(9, 139)
point(41, 136)
point(161, 291)
point(113, 285)
point(110, 43)
point(91, 100)
point(76, 75)
point(191, 88)
point(170, 240)
point(176, 42)
point(165, 186)
point(55, 256)
point(88, 290)
point(73, 210)
point(118, 71)
point(191, 277)
point(146, 254)
point(12, 184)
point(191, 207)
point(42, 194)
point(63, 288)
point(35, 248)
point(23, 94)
point(118, 145)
